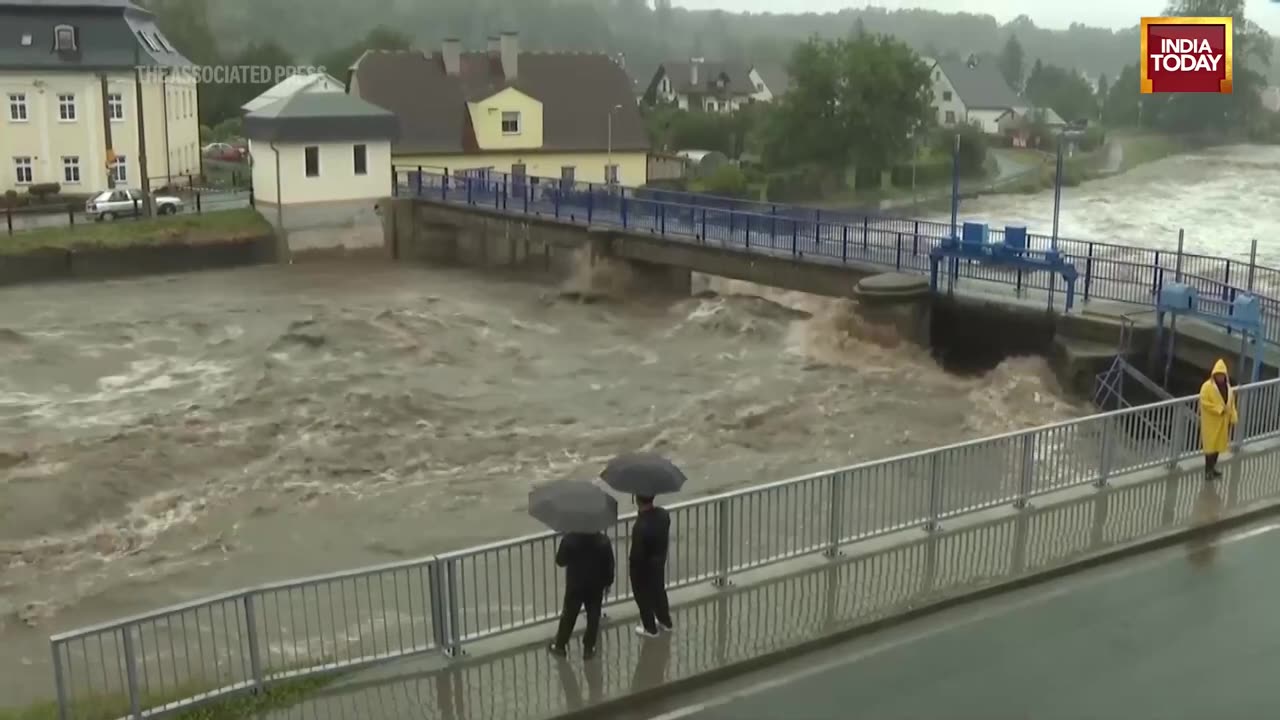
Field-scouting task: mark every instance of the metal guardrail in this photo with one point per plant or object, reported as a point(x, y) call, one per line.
point(189, 653)
point(1107, 271)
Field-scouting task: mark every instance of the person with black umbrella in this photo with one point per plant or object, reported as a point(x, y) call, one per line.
point(646, 475)
point(581, 511)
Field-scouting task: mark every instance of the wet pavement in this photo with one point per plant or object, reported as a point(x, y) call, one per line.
point(1164, 637)
point(1077, 638)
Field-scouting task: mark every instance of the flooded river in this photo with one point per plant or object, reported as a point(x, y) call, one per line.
point(166, 438)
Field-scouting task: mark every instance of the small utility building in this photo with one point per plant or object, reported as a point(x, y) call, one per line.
point(321, 161)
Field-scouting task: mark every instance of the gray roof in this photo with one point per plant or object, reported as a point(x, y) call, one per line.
point(736, 77)
point(578, 91)
point(109, 36)
point(775, 78)
point(316, 117)
point(981, 86)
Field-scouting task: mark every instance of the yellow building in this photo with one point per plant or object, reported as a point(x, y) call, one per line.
point(67, 79)
point(541, 114)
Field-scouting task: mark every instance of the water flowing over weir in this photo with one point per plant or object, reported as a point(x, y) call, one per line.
point(166, 438)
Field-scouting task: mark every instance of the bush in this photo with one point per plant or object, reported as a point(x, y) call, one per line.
point(800, 183)
point(13, 199)
point(927, 172)
point(973, 148)
point(42, 191)
point(726, 180)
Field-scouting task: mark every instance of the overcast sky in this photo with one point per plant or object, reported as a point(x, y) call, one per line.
point(1102, 13)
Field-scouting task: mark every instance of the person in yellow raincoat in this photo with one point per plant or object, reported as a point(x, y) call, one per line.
point(1218, 416)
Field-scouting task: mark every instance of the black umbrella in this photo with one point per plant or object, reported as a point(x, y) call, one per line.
point(644, 474)
point(573, 506)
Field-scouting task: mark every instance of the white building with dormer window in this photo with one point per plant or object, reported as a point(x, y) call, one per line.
point(67, 80)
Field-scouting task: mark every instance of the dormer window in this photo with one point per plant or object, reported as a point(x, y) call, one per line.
point(146, 40)
point(27, 39)
point(64, 38)
point(164, 42)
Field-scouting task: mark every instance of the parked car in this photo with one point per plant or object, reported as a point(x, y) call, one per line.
point(223, 151)
point(112, 204)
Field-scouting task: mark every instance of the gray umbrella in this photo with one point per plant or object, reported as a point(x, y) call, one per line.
point(645, 474)
point(573, 506)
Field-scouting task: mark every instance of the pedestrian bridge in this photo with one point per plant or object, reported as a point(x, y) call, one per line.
point(821, 239)
point(757, 572)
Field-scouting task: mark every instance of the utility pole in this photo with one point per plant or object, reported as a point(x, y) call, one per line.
point(106, 134)
point(142, 136)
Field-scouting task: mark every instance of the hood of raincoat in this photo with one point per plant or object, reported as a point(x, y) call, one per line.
point(1220, 367)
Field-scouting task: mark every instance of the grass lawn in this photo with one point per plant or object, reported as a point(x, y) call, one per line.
point(1141, 148)
point(208, 228)
point(282, 695)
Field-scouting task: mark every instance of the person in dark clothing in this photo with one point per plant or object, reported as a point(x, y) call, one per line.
point(587, 559)
point(650, 537)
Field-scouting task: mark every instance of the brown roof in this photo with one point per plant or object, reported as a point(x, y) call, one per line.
point(737, 78)
point(577, 92)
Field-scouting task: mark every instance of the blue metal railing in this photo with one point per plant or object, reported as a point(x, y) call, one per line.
point(1106, 271)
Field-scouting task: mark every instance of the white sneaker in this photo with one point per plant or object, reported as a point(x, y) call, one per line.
point(645, 633)
point(666, 628)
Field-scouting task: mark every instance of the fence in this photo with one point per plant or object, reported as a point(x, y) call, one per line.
point(185, 654)
point(1107, 271)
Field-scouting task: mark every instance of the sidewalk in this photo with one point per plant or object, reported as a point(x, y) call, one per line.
point(794, 608)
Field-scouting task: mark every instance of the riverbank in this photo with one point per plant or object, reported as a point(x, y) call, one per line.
point(137, 247)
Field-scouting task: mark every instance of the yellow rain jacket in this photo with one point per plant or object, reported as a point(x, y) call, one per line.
point(1217, 414)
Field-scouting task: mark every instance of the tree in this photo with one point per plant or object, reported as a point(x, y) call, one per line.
point(1011, 63)
point(338, 61)
point(852, 102)
point(1063, 90)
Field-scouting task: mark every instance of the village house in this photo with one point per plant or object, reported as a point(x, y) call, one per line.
point(712, 86)
point(316, 82)
point(972, 91)
point(564, 115)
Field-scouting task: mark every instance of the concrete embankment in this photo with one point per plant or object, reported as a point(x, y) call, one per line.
point(92, 263)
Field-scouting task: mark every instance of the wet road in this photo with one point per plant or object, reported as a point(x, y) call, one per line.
point(1188, 633)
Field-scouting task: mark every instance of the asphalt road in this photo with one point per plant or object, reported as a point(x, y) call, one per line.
point(1190, 633)
point(209, 201)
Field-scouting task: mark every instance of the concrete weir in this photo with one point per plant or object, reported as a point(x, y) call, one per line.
point(970, 330)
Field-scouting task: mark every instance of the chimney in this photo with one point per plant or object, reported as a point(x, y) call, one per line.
point(495, 46)
point(509, 46)
point(451, 51)
point(694, 64)
point(622, 60)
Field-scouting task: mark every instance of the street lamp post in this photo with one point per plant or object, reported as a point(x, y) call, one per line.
point(955, 185)
point(610, 176)
point(1063, 137)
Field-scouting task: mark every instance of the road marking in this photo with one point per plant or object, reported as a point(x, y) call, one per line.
point(979, 616)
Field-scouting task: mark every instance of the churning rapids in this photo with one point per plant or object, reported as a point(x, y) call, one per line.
point(166, 438)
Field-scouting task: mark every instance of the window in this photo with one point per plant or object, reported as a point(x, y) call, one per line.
point(362, 159)
point(27, 39)
point(146, 40)
point(951, 117)
point(71, 169)
point(519, 170)
point(18, 107)
point(120, 170)
point(155, 40)
point(164, 42)
point(64, 38)
point(937, 74)
point(510, 123)
point(312, 153)
point(22, 169)
point(611, 174)
point(567, 174)
point(115, 106)
point(66, 107)
point(946, 95)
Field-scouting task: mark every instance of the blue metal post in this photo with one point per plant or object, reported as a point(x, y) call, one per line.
point(1057, 194)
point(556, 200)
point(844, 244)
point(470, 200)
point(773, 226)
point(955, 185)
point(795, 237)
point(419, 181)
point(730, 227)
point(444, 186)
point(623, 210)
point(704, 224)
point(1088, 272)
point(662, 218)
point(591, 194)
point(747, 230)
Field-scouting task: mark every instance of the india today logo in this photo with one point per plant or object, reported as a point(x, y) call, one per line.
point(1186, 54)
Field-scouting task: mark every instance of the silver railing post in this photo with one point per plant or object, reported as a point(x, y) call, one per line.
point(131, 671)
point(934, 523)
point(1104, 459)
point(1242, 407)
point(835, 520)
point(724, 538)
point(452, 604)
point(251, 631)
point(1026, 470)
point(59, 682)
point(439, 610)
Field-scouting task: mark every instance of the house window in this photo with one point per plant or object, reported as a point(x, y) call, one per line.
point(362, 159)
point(120, 170)
point(71, 169)
point(946, 95)
point(115, 106)
point(146, 40)
point(64, 38)
point(611, 174)
point(313, 160)
point(27, 39)
point(567, 175)
point(22, 169)
point(937, 74)
point(951, 117)
point(510, 123)
point(66, 107)
point(18, 107)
